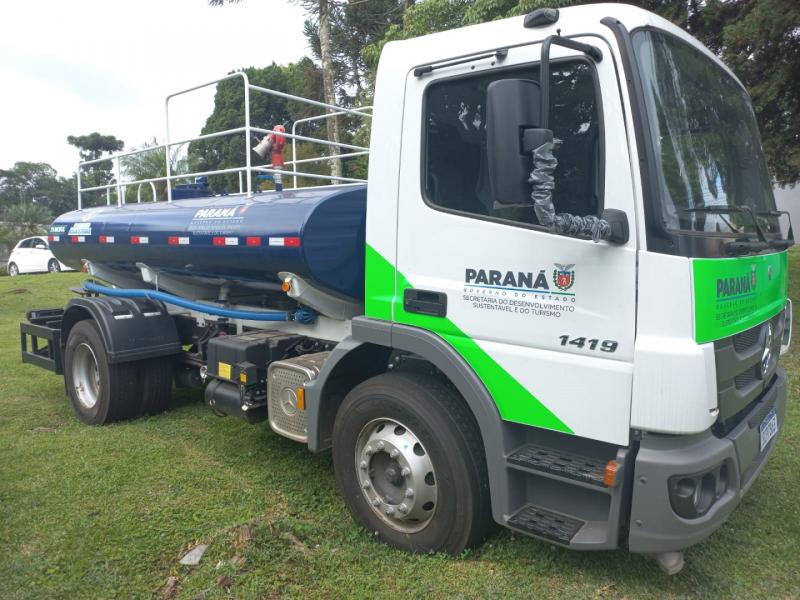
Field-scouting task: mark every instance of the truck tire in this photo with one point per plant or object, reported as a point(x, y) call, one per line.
point(155, 378)
point(410, 464)
point(100, 392)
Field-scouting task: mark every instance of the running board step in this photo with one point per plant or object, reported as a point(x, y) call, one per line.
point(545, 523)
point(564, 464)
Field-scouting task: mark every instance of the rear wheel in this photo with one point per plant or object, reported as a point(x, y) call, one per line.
point(410, 464)
point(100, 392)
point(13, 269)
point(155, 378)
point(53, 266)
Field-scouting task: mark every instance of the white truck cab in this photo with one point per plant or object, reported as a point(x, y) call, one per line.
point(627, 343)
point(558, 304)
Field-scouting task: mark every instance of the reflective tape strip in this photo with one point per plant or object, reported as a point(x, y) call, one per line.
point(290, 242)
point(225, 241)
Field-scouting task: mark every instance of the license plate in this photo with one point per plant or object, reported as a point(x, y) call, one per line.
point(768, 429)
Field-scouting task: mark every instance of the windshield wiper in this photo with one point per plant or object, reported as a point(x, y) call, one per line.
point(730, 208)
point(739, 246)
point(789, 241)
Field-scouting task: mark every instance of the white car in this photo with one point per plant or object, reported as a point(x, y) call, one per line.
point(32, 255)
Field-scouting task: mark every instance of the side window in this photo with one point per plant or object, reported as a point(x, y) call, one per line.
point(455, 168)
point(39, 243)
point(25, 244)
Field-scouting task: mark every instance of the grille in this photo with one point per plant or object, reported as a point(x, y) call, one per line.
point(283, 380)
point(745, 379)
point(284, 416)
point(747, 339)
point(739, 379)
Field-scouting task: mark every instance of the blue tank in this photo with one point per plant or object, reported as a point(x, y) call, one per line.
point(315, 233)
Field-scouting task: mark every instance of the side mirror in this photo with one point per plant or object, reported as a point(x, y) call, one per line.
point(513, 107)
point(618, 221)
point(40, 246)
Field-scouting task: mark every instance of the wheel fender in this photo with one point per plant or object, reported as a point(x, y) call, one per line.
point(131, 328)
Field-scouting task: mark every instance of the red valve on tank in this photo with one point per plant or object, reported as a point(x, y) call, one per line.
point(273, 144)
point(277, 142)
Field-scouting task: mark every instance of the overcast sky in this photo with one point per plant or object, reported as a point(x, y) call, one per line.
point(73, 67)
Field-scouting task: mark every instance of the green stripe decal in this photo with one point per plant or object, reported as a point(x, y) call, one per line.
point(379, 276)
point(513, 400)
point(735, 294)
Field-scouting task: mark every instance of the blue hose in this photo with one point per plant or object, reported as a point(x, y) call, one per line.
point(302, 315)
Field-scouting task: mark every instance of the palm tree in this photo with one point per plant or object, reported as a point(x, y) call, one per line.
point(23, 220)
point(150, 165)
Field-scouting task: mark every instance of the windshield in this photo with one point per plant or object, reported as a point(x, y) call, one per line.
point(706, 139)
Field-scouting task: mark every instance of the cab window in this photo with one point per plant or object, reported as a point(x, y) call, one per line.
point(455, 168)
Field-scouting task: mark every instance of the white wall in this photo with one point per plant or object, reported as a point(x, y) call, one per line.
point(789, 199)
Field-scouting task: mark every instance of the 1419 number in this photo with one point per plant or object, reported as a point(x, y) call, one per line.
point(592, 344)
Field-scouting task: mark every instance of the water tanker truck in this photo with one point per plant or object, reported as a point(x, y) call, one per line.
point(557, 304)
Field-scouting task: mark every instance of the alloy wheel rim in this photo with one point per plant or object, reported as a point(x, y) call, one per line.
point(85, 375)
point(396, 475)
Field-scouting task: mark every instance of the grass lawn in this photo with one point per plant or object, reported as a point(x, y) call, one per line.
point(107, 512)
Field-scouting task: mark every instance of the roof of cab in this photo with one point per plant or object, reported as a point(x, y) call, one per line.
point(485, 37)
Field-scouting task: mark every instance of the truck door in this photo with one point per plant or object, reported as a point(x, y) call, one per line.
point(546, 321)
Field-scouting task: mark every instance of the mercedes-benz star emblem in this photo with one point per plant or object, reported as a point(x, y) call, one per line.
point(766, 357)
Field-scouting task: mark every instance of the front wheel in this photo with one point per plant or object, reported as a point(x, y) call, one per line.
point(410, 465)
point(13, 269)
point(53, 266)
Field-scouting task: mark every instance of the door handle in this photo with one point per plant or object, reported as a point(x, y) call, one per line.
point(425, 302)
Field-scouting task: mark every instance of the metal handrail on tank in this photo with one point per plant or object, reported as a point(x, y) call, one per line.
point(248, 130)
point(294, 162)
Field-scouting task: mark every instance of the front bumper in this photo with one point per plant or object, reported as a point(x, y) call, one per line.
point(654, 526)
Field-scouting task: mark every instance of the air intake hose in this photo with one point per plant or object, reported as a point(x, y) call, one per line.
point(301, 315)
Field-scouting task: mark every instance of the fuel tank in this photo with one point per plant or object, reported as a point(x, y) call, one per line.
point(315, 233)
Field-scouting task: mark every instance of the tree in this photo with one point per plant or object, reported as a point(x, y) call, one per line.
point(419, 19)
point(354, 25)
point(22, 181)
point(299, 79)
point(321, 11)
point(23, 220)
point(36, 183)
point(760, 41)
point(151, 165)
point(92, 147)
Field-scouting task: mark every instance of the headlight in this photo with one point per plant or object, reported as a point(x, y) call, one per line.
point(691, 496)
